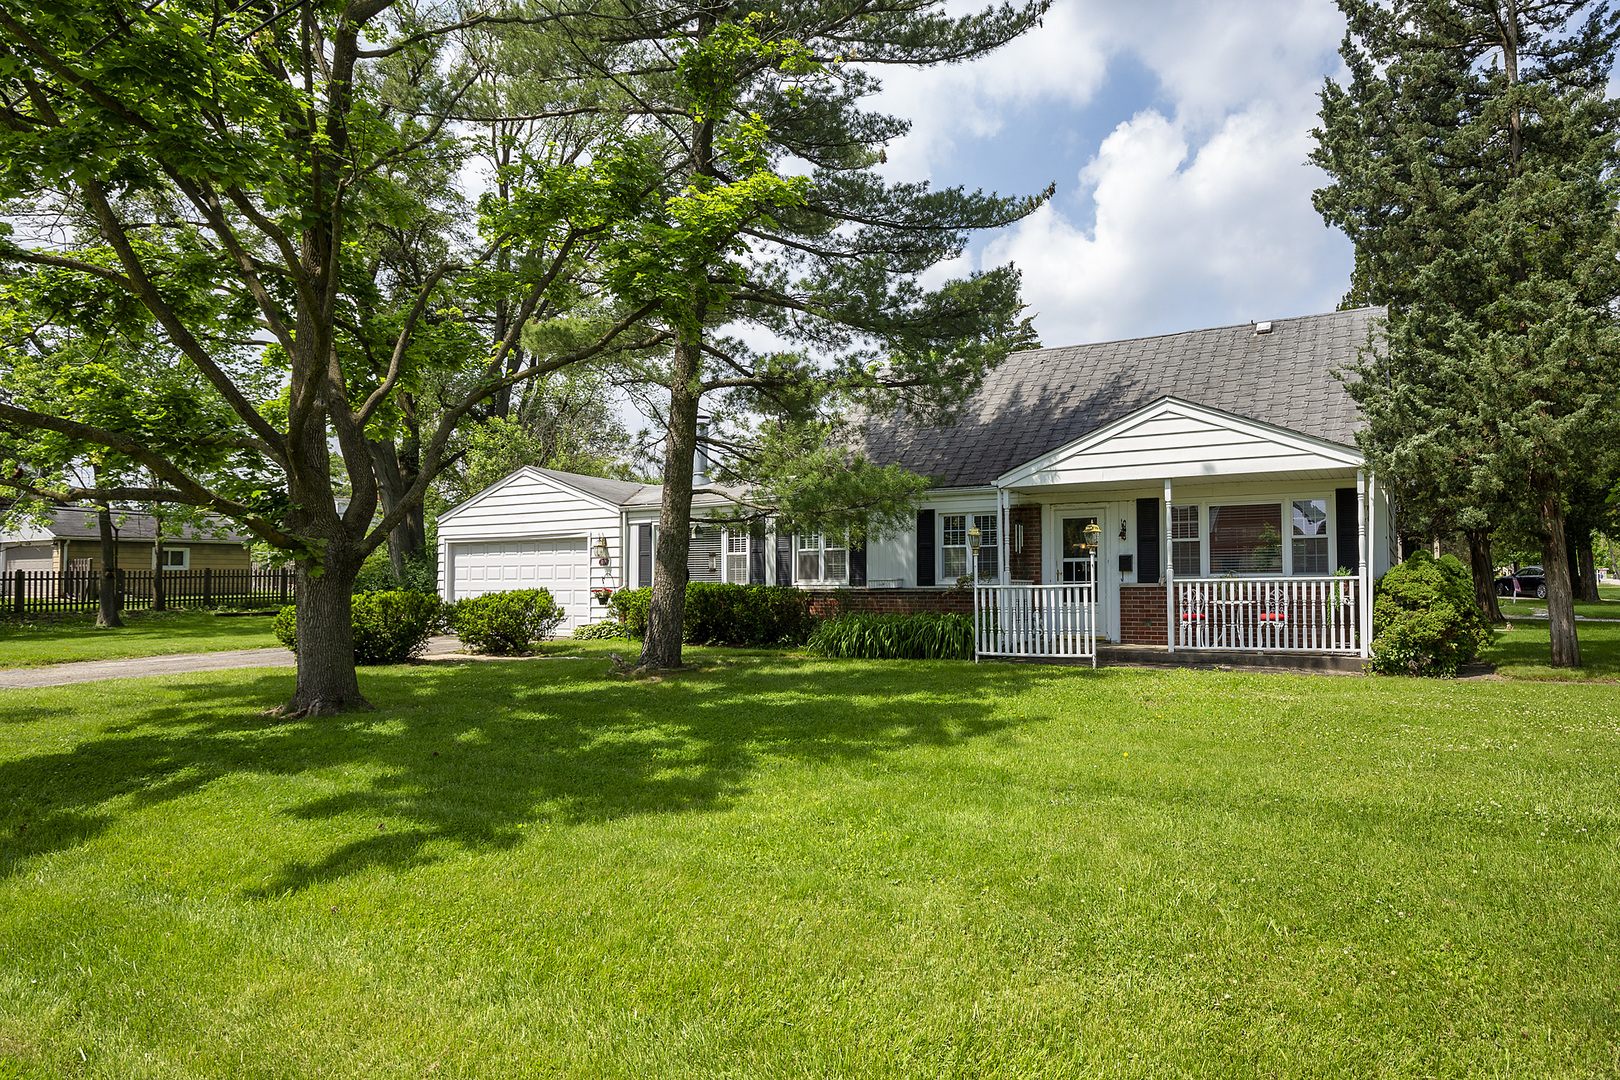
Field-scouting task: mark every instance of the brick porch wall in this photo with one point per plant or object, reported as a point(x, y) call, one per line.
point(825, 602)
point(1141, 615)
point(1026, 565)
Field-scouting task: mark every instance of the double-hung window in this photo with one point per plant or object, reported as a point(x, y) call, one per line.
point(821, 559)
point(1310, 536)
point(955, 554)
point(176, 558)
point(737, 558)
point(1186, 546)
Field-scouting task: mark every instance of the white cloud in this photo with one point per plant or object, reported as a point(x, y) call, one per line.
point(1193, 211)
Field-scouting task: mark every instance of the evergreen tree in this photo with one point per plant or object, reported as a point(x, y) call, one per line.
point(772, 219)
point(1472, 154)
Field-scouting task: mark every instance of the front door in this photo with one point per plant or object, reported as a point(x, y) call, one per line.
point(1076, 564)
point(1076, 559)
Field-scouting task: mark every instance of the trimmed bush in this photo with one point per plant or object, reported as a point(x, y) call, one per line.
point(508, 622)
point(1425, 620)
point(924, 635)
point(742, 616)
point(377, 575)
point(605, 630)
point(389, 627)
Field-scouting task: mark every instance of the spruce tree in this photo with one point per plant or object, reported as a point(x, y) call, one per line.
point(1472, 154)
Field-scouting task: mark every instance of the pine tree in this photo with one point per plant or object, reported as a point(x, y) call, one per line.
point(773, 219)
point(1472, 154)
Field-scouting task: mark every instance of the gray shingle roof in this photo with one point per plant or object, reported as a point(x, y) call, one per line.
point(79, 523)
point(628, 493)
point(1037, 401)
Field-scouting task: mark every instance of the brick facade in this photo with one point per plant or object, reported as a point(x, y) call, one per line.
point(1141, 615)
point(1025, 565)
point(825, 602)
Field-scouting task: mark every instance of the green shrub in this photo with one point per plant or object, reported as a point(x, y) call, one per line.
point(1425, 620)
point(602, 631)
point(743, 616)
point(507, 622)
point(919, 636)
point(389, 627)
point(746, 616)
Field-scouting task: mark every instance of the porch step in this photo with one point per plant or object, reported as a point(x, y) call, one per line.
point(1159, 656)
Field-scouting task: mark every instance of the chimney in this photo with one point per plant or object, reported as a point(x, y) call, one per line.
point(700, 453)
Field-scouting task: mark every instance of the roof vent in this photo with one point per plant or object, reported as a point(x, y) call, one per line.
point(1262, 328)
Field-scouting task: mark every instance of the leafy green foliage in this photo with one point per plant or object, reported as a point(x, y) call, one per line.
point(922, 635)
point(606, 630)
point(506, 623)
point(377, 575)
point(1425, 621)
point(744, 616)
point(389, 627)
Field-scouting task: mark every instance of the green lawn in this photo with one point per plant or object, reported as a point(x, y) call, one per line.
point(773, 866)
point(1522, 653)
point(60, 638)
point(1604, 609)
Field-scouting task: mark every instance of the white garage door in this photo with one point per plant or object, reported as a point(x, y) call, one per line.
point(557, 566)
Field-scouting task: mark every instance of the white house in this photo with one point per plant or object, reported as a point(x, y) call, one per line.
point(1232, 510)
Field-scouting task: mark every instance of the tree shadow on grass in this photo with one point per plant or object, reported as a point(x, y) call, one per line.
point(464, 755)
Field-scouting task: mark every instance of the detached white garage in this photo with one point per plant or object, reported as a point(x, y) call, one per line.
point(537, 529)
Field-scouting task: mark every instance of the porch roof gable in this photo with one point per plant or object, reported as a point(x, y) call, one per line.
point(1176, 440)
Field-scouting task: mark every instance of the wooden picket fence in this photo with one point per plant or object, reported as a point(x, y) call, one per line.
point(79, 589)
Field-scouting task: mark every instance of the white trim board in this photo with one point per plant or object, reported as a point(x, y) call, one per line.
point(1182, 441)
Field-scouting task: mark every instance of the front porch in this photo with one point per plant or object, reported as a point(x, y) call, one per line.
point(1198, 535)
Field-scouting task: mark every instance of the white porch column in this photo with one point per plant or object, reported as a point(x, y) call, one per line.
point(1169, 577)
point(1364, 550)
point(1004, 505)
point(1372, 543)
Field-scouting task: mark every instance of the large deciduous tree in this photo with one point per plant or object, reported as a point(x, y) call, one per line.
point(781, 268)
point(1472, 156)
point(220, 167)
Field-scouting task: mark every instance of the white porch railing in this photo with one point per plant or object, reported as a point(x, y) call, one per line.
point(1035, 621)
point(1299, 614)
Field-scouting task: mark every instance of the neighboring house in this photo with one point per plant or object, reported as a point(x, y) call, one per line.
point(1220, 466)
point(71, 540)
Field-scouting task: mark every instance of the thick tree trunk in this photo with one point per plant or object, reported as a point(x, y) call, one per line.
point(327, 682)
point(662, 646)
point(1588, 566)
point(1484, 573)
point(160, 599)
point(1566, 647)
point(107, 590)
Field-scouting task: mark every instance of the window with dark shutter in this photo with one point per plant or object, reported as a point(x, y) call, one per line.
point(784, 558)
point(1147, 540)
point(644, 555)
point(925, 547)
point(756, 555)
point(1347, 527)
point(857, 565)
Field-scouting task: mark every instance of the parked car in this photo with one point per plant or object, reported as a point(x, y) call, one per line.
point(1529, 581)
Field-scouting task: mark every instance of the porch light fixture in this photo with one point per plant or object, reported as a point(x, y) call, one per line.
point(1093, 536)
point(714, 561)
point(973, 539)
point(599, 550)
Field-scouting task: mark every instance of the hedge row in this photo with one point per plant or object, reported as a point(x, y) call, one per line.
point(743, 616)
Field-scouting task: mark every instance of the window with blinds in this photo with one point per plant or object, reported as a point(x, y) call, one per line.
point(1311, 537)
point(1245, 539)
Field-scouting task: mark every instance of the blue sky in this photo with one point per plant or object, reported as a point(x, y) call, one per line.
point(1176, 133)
